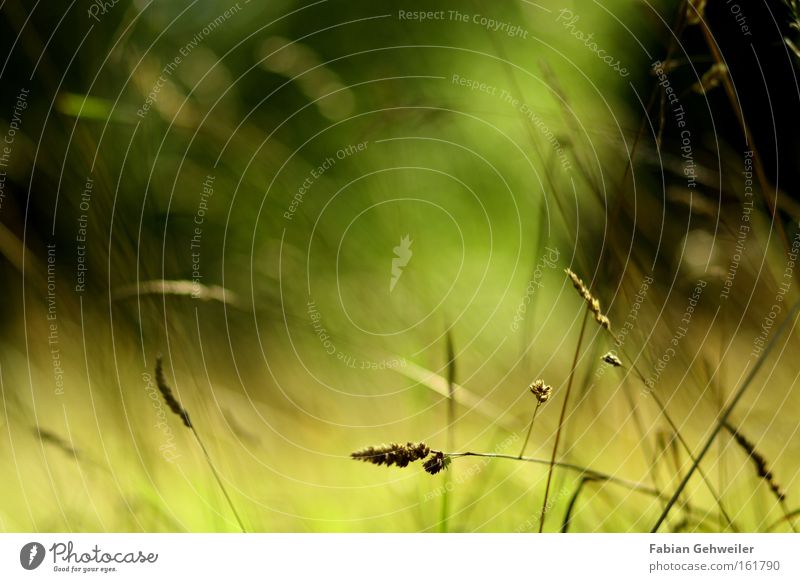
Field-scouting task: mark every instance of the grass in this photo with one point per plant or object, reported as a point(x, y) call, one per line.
point(561, 423)
point(439, 460)
point(280, 395)
point(183, 414)
point(722, 421)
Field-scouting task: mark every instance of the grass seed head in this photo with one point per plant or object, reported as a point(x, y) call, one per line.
point(541, 390)
point(592, 302)
point(392, 454)
point(612, 360)
point(169, 397)
point(759, 461)
point(437, 463)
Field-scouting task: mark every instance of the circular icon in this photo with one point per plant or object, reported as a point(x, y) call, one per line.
point(31, 555)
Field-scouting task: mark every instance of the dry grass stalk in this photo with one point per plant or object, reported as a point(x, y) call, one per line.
point(759, 461)
point(591, 301)
point(180, 411)
point(561, 418)
point(542, 392)
point(440, 460)
point(169, 397)
point(179, 288)
point(695, 11)
point(791, 316)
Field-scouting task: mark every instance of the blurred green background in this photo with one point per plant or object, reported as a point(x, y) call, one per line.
point(271, 158)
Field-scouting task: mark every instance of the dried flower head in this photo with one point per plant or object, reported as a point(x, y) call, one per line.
point(591, 300)
point(437, 462)
point(392, 454)
point(541, 390)
point(169, 397)
point(612, 360)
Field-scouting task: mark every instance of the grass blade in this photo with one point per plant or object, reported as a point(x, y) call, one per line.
point(725, 415)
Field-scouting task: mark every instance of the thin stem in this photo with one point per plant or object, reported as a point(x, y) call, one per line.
point(219, 480)
point(561, 420)
point(445, 507)
point(677, 434)
point(688, 450)
point(726, 414)
point(788, 517)
point(530, 429)
point(787, 514)
point(451, 427)
point(736, 107)
point(451, 388)
point(600, 476)
point(584, 472)
point(649, 454)
point(761, 466)
point(572, 502)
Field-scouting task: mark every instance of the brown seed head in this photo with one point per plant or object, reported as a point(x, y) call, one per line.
point(436, 463)
point(392, 454)
point(612, 360)
point(592, 301)
point(759, 461)
point(541, 390)
point(169, 397)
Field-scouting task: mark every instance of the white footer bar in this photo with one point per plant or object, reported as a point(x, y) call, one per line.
point(401, 557)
